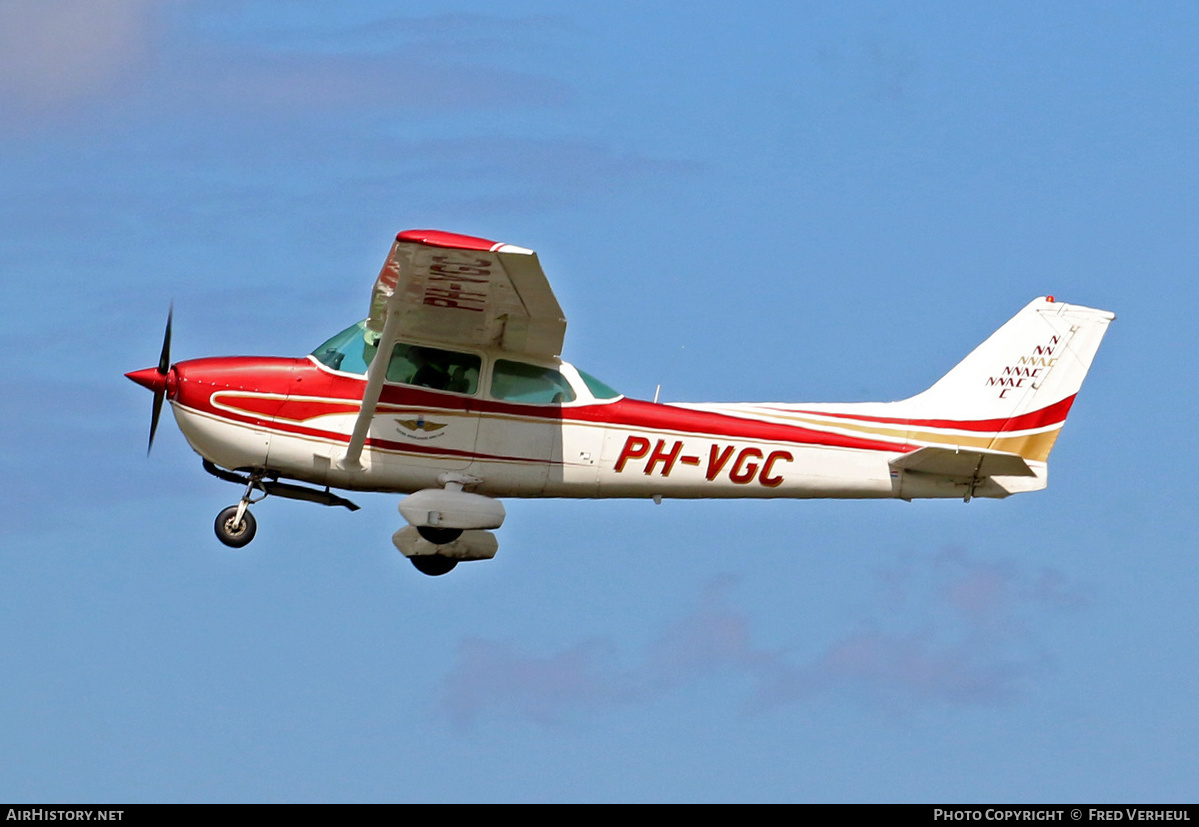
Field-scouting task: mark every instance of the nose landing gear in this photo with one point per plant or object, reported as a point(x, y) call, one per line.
point(236, 526)
point(235, 531)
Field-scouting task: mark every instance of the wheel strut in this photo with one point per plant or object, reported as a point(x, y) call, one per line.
point(245, 501)
point(235, 526)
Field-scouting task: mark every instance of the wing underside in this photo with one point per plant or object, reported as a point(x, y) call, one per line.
point(466, 291)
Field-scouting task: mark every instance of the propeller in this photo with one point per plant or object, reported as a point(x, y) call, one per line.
point(155, 379)
point(164, 365)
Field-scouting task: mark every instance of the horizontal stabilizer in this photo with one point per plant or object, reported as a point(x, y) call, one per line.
point(964, 463)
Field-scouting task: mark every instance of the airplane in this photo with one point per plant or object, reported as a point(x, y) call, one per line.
point(475, 404)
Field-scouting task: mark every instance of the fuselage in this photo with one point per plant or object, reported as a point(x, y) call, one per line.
point(293, 417)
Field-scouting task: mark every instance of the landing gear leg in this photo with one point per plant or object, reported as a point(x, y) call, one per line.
point(236, 526)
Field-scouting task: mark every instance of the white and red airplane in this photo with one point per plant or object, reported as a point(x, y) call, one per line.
point(474, 404)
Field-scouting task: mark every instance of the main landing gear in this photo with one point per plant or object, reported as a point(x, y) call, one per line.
point(433, 564)
point(439, 536)
point(447, 525)
point(436, 564)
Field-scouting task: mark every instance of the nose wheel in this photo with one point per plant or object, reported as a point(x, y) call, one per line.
point(233, 530)
point(236, 526)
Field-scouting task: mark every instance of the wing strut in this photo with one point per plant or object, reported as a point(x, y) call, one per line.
point(374, 383)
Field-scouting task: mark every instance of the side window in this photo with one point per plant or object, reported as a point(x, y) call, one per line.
point(600, 390)
point(518, 382)
point(428, 367)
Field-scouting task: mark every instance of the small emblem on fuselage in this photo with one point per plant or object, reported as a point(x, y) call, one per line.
point(420, 428)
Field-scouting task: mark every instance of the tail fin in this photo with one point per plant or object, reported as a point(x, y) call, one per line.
point(1015, 389)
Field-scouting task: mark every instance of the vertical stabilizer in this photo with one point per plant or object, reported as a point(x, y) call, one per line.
point(1018, 385)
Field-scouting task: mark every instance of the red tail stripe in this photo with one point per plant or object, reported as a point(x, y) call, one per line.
point(1052, 415)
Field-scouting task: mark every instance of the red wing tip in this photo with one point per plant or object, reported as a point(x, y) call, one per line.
point(454, 241)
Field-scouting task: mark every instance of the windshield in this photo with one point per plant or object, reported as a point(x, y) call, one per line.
point(347, 350)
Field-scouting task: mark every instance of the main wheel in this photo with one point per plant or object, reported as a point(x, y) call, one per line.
point(439, 536)
point(235, 536)
point(433, 564)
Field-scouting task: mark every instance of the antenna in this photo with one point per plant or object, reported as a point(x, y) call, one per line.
point(657, 390)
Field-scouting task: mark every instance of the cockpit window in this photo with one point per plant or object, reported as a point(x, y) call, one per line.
point(598, 389)
point(354, 348)
point(347, 350)
point(519, 382)
point(429, 367)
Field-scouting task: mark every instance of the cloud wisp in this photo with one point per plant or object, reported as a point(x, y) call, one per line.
point(56, 52)
point(948, 629)
point(64, 57)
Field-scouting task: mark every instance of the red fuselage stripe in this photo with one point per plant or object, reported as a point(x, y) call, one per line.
point(301, 391)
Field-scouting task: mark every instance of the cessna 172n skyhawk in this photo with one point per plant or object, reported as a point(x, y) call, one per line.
point(473, 403)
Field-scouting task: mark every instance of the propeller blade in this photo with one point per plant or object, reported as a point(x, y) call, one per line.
point(164, 360)
point(155, 413)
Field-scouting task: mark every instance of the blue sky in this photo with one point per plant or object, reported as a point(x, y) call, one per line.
point(780, 202)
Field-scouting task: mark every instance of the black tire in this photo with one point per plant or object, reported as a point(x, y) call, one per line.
point(235, 536)
point(439, 536)
point(433, 565)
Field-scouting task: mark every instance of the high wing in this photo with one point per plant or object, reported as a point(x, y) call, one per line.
point(456, 290)
point(466, 291)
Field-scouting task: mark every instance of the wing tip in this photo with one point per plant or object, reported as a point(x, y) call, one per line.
point(453, 241)
point(458, 241)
